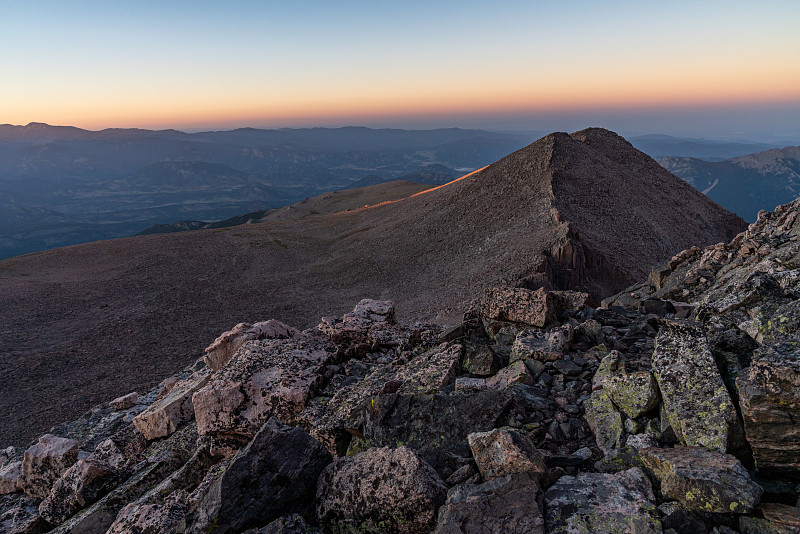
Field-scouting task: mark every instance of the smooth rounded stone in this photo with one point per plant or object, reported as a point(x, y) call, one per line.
point(769, 397)
point(518, 305)
point(45, 462)
point(505, 504)
point(275, 472)
point(9, 477)
point(504, 451)
point(703, 480)
point(599, 502)
point(82, 484)
point(223, 348)
point(605, 420)
point(124, 402)
point(19, 515)
point(384, 489)
point(515, 373)
point(696, 401)
point(290, 524)
point(166, 415)
point(466, 384)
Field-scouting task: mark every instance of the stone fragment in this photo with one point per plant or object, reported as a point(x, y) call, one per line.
point(504, 451)
point(679, 519)
point(534, 344)
point(9, 477)
point(598, 502)
point(481, 360)
point(703, 480)
point(619, 460)
point(381, 490)
point(436, 426)
point(634, 394)
point(605, 420)
point(782, 515)
point(277, 471)
point(19, 515)
point(518, 305)
point(467, 384)
point(516, 373)
point(125, 402)
point(505, 504)
point(164, 416)
point(572, 300)
point(44, 463)
point(166, 518)
point(82, 484)
point(696, 402)
point(264, 379)
point(769, 397)
point(222, 349)
point(291, 524)
point(354, 326)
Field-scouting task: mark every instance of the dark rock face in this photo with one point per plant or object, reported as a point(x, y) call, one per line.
point(506, 504)
point(381, 490)
point(44, 463)
point(19, 515)
point(82, 484)
point(276, 471)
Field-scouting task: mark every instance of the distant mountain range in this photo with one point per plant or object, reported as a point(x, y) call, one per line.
point(744, 184)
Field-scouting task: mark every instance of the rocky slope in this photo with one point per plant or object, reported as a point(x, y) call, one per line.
point(584, 211)
point(674, 409)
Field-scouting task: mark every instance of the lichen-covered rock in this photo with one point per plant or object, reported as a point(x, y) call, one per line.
point(354, 326)
point(223, 348)
point(19, 515)
point(598, 502)
point(505, 504)
point(436, 426)
point(291, 524)
point(537, 345)
point(634, 394)
point(124, 402)
point(333, 419)
point(769, 397)
point(45, 462)
point(696, 402)
point(264, 379)
point(164, 416)
point(518, 305)
point(504, 451)
point(515, 373)
point(605, 420)
point(277, 471)
point(703, 480)
point(82, 484)
point(9, 477)
point(381, 490)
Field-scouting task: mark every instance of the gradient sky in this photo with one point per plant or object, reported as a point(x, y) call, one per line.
point(713, 68)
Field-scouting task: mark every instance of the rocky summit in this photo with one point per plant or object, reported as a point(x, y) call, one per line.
point(583, 211)
point(673, 408)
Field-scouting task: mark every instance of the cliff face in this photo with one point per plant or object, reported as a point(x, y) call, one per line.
point(584, 211)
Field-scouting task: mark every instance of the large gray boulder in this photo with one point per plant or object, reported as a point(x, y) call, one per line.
point(703, 480)
point(277, 471)
point(380, 490)
point(696, 401)
point(507, 504)
point(598, 502)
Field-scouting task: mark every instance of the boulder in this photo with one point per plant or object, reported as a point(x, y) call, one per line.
point(19, 515)
point(9, 477)
point(782, 515)
point(598, 502)
point(223, 348)
point(80, 485)
point(537, 345)
point(696, 401)
point(605, 420)
point(506, 504)
point(516, 373)
point(264, 379)
point(703, 480)
point(381, 490)
point(518, 305)
point(277, 471)
point(436, 426)
point(167, 518)
point(291, 524)
point(125, 402)
point(769, 397)
point(505, 451)
point(164, 416)
point(354, 326)
point(634, 394)
point(45, 462)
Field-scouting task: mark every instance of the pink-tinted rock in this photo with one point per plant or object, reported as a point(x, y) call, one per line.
point(164, 416)
point(504, 451)
point(516, 373)
point(80, 485)
point(519, 305)
point(223, 348)
point(354, 326)
point(264, 379)
point(135, 518)
point(9, 477)
point(45, 462)
point(124, 402)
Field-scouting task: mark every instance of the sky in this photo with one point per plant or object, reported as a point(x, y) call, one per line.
point(725, 69)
